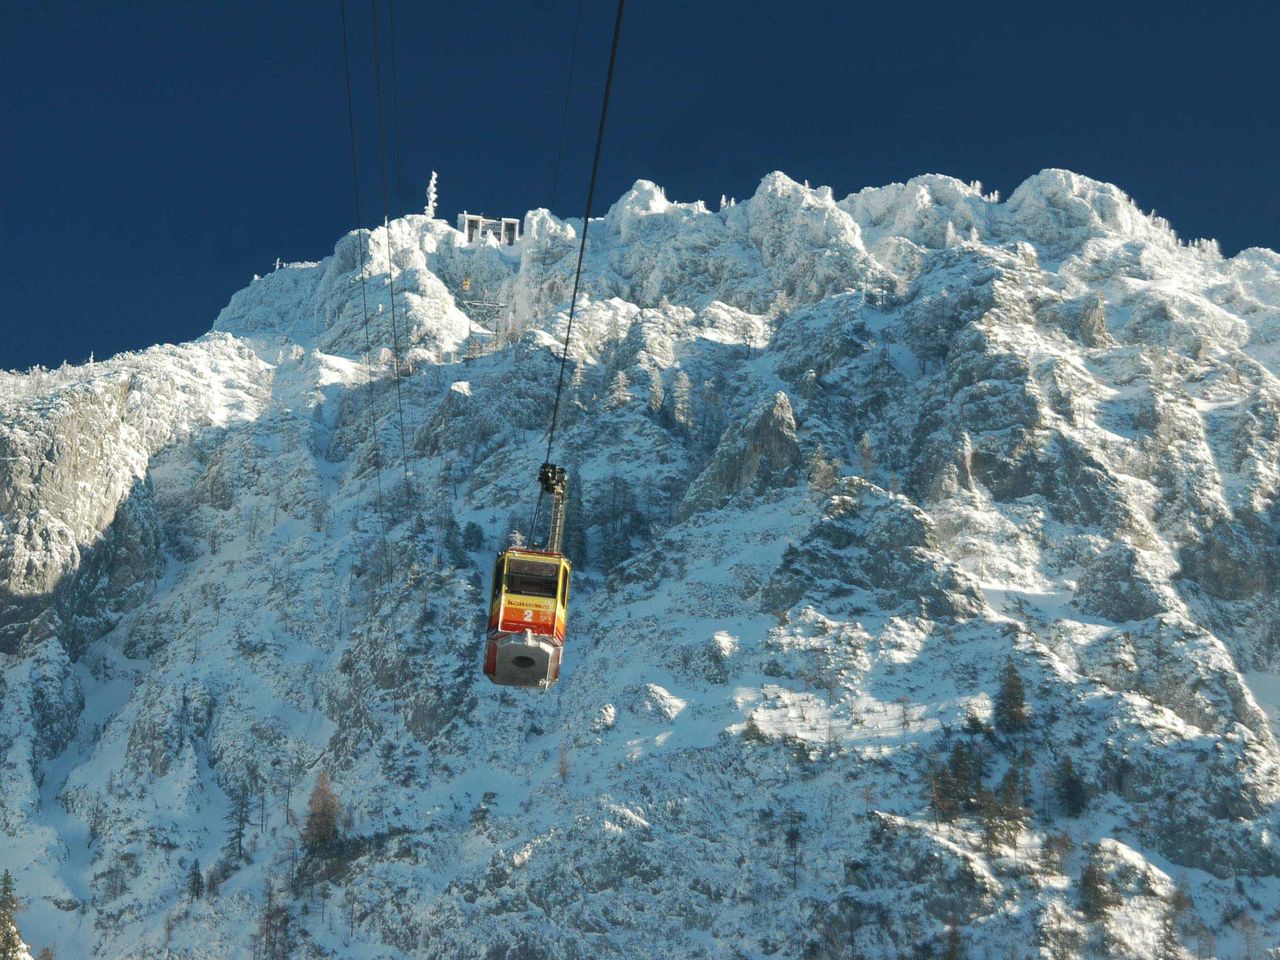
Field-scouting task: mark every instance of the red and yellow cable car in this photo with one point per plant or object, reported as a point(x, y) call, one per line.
point(530, 602)
point(528, 609)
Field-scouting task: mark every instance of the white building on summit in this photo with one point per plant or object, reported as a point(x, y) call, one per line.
point(475, 226)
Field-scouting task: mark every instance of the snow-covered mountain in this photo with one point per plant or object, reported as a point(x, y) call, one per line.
point(847, 475)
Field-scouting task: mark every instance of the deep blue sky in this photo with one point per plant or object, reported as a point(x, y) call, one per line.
point(155, 155)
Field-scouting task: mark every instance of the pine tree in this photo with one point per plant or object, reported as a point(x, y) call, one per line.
point(323, 812)
point(577, 381)
point(472, 536)
point(680, 404)
point(973, 724)
point(275, 928)
point(9, 902)
point(575, 529)
point(793, 835)
point(195, 881)
point(657, 394)
point(454, 547)
point(1182, 900)
point(617, 521)
point(11, 945)
point(1070, 789)
point(1096, 895)
point(619, 391)
point(1011, 700)
point(236, 819)
point(1054, 851)
point(867, 454)
point(823, 470)
point(954, 949)
point(712, 419)
point(1003, 815)
point(965, 768)
point(1170, 945)
point(944, 795)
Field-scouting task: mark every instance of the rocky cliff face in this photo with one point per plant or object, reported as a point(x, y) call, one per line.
point(848, 475)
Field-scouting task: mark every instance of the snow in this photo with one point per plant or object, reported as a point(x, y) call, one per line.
point(212, 580)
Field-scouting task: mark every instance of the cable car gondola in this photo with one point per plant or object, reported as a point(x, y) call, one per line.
point(529, 603)
point(530, 600)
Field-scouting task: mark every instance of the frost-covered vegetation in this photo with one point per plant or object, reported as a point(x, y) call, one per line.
point(926, 552)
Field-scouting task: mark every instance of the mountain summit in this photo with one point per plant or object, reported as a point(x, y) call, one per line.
point(925, 558)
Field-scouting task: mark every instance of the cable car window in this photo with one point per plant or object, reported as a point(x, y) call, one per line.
point(531, 578)
point(497, 577)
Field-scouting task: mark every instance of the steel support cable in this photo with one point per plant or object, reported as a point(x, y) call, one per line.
point(386, 225)
point(564, 112)
point(364, 298)
point(395, 107)
point(533, 524)
point(586, 222)
point(582, 246)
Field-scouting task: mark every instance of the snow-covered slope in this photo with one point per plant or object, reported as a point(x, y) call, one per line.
point(838, 465)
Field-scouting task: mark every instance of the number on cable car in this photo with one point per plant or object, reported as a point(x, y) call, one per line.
point(527, 613)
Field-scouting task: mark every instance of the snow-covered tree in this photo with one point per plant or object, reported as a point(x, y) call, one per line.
point(1096, 893)
point(619, 390)
point(430, 209)
point(575, 531)
point(11, 945)
point(657, 395)
point(680, 403)
point(866, 454)
point(782, 305)
point(824, 470)
point(577, 380)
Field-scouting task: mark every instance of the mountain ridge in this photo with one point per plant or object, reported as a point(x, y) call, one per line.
point(837, 462)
